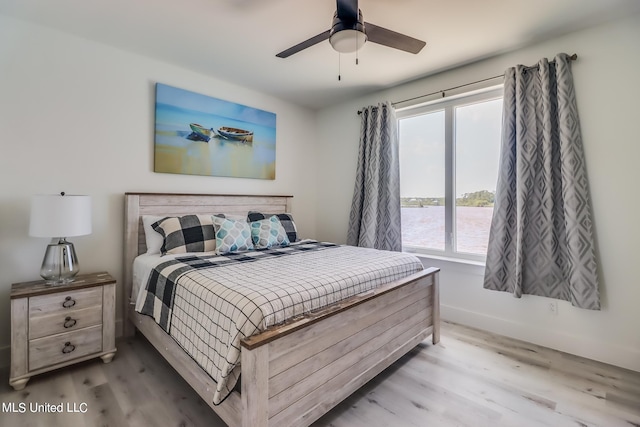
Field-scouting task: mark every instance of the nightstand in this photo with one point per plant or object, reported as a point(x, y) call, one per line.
point(56, 326)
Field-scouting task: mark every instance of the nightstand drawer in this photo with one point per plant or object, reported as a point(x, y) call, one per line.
point(62, 347)
point(63, 302)
point(59, 322)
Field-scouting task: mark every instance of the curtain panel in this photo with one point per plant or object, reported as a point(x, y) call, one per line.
point(541, 238)
point(374, 221)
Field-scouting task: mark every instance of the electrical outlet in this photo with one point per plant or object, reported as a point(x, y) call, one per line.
point(553, 307)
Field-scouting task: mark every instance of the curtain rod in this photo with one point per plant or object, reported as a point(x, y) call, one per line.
point(572, 57)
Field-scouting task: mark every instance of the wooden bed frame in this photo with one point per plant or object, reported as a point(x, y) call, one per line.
point(291, 374)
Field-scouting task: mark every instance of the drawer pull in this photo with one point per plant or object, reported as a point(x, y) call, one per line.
point(68, 302)
point(68, 347)
point(69, 322)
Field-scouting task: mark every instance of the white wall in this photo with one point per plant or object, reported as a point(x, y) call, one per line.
point(608, 93)
point(78, 116)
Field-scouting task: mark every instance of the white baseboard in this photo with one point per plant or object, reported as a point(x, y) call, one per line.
point(573, 344)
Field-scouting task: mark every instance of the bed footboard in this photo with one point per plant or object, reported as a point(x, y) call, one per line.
point(294, 374)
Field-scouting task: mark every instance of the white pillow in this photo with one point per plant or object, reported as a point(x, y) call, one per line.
point(152, 237)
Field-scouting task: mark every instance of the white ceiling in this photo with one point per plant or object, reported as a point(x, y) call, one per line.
point(236, 40)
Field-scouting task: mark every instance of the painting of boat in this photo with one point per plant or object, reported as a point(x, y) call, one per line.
point(236, 134)
point(196, 134)
point(200, 132)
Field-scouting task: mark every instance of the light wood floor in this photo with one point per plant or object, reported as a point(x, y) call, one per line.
point(471, 378)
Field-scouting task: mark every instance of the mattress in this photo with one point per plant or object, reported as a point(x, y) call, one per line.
point(209, 303)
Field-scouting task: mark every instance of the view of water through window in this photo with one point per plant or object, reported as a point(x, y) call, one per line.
point(475, 130)
point(424, 227)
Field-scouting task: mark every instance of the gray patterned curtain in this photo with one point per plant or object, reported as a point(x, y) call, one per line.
point(375, 211)
point(541, 240)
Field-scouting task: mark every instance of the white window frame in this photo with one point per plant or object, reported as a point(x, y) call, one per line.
point(448, 105)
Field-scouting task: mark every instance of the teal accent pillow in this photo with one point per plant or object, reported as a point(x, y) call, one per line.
point(267, 233)
point(231, 235)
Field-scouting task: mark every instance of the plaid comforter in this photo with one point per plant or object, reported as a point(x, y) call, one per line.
point(209, 303)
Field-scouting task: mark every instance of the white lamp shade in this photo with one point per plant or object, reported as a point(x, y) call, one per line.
point(60, 216)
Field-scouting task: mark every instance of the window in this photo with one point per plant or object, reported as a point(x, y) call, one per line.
point(449, 152)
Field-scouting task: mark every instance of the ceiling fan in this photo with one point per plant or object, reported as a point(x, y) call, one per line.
point(349, 32)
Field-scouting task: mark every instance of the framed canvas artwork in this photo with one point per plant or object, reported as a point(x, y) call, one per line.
point(199, 135)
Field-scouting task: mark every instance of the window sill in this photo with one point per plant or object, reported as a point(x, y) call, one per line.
point(461, 265)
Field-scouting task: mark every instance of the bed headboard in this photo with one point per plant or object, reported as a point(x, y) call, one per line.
point(169, 204)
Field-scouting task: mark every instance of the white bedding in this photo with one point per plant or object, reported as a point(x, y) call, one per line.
point(215, 307)
point(142, 266)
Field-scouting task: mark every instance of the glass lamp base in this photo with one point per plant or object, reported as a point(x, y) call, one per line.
point(60, 264)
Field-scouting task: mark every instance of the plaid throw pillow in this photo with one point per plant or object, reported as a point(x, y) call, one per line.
point(231, 235)
point(285, 219)
point(189, 233)
point(267, 233)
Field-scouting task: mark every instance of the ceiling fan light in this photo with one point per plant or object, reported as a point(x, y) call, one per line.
point(347, 41)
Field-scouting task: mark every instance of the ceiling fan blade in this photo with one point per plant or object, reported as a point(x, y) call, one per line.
point(305, 44)
point(392, 39)
point(347, 10)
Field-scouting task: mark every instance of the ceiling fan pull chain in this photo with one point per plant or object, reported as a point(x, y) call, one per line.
point(339, 56)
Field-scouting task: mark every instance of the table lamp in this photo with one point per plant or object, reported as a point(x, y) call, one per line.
point(59, 217)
